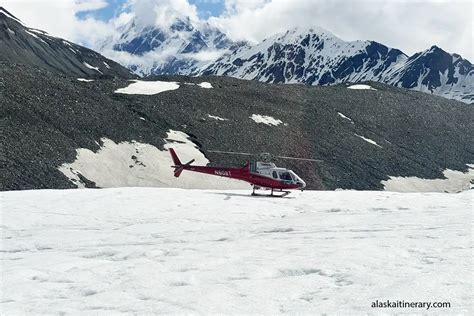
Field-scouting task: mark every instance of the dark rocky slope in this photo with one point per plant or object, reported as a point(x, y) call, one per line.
point(21, 44)
point(45, 117)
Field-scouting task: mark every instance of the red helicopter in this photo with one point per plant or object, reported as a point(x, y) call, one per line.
point(260, 174)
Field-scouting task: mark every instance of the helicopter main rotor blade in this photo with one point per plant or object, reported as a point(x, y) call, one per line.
point(270, 156)
point(230, 152)
point(298, 158)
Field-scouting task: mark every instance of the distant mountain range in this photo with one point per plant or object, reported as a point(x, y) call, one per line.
point(22, 44)
point(183, 47)
point(310, 56)
point(317, 57)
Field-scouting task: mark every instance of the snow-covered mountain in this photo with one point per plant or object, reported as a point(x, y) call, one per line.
point(435, 71)
point(182, 47)
point(312, 56)
point(21, 44)
point(317, 57)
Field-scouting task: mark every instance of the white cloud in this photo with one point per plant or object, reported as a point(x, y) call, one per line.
point(161, 12)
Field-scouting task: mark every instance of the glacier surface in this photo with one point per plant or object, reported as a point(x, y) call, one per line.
point(156, 250)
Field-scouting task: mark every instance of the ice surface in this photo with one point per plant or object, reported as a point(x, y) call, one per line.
point(143, 251)
point(148, 87)
point(265, 119)
point(361, 87)
point(454, 181)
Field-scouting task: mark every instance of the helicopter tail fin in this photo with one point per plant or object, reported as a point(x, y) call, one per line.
point(178, 166)
point(175, 158)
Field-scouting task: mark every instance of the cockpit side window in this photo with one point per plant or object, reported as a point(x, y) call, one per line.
point(275, 176)
point(285, 176)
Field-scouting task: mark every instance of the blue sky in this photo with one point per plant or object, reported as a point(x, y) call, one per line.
point(206, 9)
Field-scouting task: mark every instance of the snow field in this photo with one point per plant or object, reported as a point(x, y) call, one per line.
point(144, 251)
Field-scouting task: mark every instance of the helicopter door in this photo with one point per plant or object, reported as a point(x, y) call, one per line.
point(275, 175)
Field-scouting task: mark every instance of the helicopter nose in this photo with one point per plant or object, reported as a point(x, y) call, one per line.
point(301, 184)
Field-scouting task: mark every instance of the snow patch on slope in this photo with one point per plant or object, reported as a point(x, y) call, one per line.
point(84, 80)
point(92, 67)
point(370, 141)
point(148, 87)
point(205, 85)
point(217, 118)
point(455, 181)
point(361, 87)
point(345, 117)
point(265, 119)
point(134, 164)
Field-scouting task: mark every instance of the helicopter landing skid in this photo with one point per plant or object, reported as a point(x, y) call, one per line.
point(284, 193)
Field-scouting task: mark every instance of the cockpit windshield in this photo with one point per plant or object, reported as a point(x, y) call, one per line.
point(293, 175)
point(297, 179)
